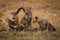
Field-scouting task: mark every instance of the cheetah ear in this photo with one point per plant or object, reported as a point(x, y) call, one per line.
point(31, 7)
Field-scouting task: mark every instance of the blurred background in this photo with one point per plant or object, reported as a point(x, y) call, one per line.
point(49, 9)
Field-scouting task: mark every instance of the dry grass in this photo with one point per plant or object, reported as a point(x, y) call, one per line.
point(49, 9)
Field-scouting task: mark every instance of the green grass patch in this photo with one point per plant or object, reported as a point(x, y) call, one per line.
point(23, 34)
point(10, 35)
point(55, 34)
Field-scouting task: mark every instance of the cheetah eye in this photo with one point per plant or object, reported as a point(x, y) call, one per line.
point(36, 18)
point(13, 18)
